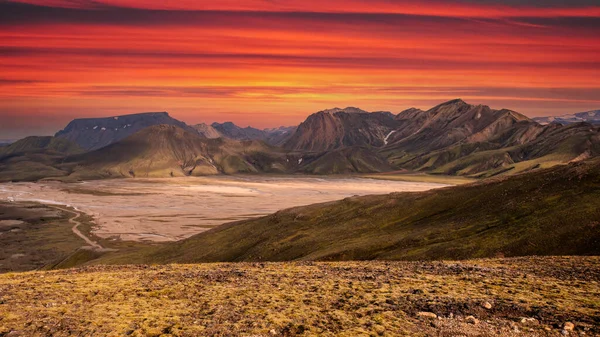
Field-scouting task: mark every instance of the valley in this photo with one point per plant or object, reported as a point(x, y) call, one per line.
point(163, 210)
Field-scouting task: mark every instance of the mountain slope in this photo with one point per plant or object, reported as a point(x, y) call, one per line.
point(548, 212)
point(95, 133)
point(450, 123)
point(168, 151)
point(338, 128)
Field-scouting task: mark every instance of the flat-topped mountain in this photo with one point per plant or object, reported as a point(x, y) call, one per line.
point(592, 117)
point(338, 128)
point(95, 133)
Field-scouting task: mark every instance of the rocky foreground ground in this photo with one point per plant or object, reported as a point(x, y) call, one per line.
point(496, 297)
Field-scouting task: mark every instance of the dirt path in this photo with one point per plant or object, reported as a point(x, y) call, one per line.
point(92, 244)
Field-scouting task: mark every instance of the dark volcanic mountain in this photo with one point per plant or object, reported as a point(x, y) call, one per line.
point(167, 151)
point(592, 117)
point(95, 133)
point(338, 128)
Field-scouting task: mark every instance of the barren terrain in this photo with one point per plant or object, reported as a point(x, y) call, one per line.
point(162, 210)
point(551, 296)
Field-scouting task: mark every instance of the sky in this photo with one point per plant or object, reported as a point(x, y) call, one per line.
point(267, 63)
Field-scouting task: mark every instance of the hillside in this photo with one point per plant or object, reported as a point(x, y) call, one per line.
point(95, 133)
point(35, 144)
point(169, 151)
point(548, 212)
point(33, 158)
point(504, 297)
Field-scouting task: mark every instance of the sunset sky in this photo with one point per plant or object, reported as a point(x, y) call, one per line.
point(272, 62)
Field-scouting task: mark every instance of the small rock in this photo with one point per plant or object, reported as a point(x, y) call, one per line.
point(564, 332)
point(487, 305)
point(426, 314)
point(273, 332)
point(471, 320)
point(451, 316)
point(569, 326)
point(528, 320)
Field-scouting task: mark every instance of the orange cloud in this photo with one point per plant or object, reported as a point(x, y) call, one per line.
point(258, 63)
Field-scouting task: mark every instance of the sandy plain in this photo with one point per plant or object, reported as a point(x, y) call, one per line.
point(173, 209)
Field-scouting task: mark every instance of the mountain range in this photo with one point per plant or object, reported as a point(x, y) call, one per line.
point(454, 138)
point(592, 117)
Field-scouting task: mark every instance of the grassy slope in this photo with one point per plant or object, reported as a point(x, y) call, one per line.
point(548, 212)
point(306, 299)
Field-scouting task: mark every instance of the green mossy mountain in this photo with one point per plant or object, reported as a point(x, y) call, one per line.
point(169, 151)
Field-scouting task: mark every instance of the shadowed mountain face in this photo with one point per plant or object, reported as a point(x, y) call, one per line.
point(95, 133)
point(338, 128)
point(592, 117)
point(273, 136)
point(549, 212)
